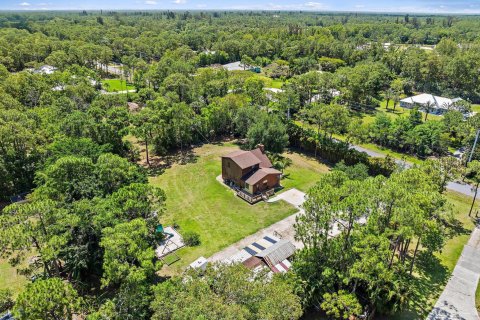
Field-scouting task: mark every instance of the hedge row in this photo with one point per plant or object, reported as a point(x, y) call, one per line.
point(334, 151)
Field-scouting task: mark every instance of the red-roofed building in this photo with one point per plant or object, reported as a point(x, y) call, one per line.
point(251, 172)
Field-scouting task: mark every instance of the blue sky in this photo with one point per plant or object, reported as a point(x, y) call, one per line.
point(427, 6)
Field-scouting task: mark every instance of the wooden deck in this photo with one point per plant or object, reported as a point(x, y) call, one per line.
point(252, 199)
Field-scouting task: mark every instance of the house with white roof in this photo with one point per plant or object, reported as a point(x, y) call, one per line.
point(439, 104)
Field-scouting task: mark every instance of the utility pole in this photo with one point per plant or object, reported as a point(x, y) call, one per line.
point(474, 145)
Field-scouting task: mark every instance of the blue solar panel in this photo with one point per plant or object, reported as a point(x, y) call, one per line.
point(269, 239)
point(258, 246)
point(251, 251)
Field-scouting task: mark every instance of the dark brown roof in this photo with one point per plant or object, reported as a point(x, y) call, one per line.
point(260, 174)
point(253, 262)
point(243, 159)
point(265, 162)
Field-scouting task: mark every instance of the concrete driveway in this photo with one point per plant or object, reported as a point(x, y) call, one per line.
point(293, 196)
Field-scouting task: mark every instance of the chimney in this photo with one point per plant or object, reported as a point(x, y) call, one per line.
point(261, 147)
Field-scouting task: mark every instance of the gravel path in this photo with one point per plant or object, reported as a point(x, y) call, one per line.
point(457, 300)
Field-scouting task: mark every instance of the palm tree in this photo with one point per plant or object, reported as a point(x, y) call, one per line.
point(281, 162)
point(427, 107)
point(396, 99)
point(388, 96)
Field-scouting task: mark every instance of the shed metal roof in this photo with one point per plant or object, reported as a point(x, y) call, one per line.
point(278, 252)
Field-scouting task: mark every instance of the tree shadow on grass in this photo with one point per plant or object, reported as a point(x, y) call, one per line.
point(456, 228)
point(428, 284)
point(158, 164)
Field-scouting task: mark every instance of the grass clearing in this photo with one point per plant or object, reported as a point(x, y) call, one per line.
point(197, 202)
point(267, 81)
point(10, 279)
point(115, 85)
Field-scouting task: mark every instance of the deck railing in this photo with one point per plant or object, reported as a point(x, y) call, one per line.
point(255, 198)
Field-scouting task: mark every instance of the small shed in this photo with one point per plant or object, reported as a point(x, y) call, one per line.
point(199, 264)
point(277, 253)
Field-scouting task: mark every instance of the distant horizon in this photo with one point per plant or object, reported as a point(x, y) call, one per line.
point(243, 10)
point(428, 7)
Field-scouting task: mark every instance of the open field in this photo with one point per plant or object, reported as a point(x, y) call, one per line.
point(197, 202)
point(115, 85)
point(431, 275)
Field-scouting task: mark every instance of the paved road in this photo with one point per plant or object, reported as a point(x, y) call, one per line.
point(457, 300)
point(118, 92)
point(283, 227)
point(454, 186)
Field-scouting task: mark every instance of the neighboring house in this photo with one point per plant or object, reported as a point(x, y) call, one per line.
point(440, 104)
point(251, 173)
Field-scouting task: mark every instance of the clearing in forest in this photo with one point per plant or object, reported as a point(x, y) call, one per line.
point(197, 202)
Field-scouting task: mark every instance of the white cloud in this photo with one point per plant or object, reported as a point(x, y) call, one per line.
point(179, 1)
point(24, 4)
point(151, 2)
point(314, 5)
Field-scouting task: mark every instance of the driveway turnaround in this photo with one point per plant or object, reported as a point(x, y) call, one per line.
point(458, 298)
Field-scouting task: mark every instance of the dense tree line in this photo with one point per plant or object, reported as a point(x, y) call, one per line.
point(384, 225)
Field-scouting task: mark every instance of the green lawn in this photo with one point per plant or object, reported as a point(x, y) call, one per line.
point(432, 274)
point(267, 81)
point(477, 297)
point(197, 202)
point(303, 173)
point(9, 279)
point(115, 85)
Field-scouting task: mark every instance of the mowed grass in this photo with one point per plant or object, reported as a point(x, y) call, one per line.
point(197, 202)
point(431, 275)
point(115, 85)
point(10, 279)
point(304, 172)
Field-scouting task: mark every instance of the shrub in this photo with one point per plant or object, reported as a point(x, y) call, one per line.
point(191, 239)
point(6, 301)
